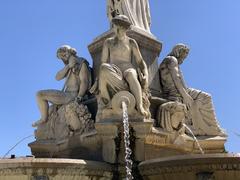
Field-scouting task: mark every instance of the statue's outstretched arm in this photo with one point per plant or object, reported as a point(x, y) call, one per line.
point(172, 65)
point(140, 62)
point(105, 52)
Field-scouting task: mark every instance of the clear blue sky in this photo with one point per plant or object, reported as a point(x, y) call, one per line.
point(31, 31)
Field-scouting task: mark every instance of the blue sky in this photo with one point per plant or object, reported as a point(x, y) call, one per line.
point(31, 31)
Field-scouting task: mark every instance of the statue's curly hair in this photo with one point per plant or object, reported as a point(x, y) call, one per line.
point(66, 48)
point(178, 49)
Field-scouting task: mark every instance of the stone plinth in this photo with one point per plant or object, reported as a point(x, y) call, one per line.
point(160, 143)
point(83, 146)
point(141, 131)
point(53, 169)
point(150, 49)
point(111, 133)
point(192, 167)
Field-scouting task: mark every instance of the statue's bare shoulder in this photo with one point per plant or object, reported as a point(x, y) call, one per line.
point(133, 42)
point(109, 42)
point(170, 62)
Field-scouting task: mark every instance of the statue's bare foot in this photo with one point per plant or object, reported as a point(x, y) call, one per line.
point(37, 123)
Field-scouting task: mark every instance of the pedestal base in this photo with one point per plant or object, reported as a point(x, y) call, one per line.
point(85, 146)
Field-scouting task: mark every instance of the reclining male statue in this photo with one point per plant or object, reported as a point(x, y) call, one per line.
point(122, 68)
point(200, 114)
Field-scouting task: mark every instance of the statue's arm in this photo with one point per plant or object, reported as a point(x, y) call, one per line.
point(84, 80)
point(138, 57)
point(104, 59)
point(105, 52)
point(172, 65)
point(62, 73)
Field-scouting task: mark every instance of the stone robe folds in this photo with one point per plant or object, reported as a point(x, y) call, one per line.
point(137, 11)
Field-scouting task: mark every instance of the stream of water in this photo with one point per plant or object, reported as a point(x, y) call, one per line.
point(194, 137)
point(128, 150)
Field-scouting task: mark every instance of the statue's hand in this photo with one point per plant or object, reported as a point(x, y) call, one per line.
point(144, 82)
point(72, 62)
point(188, 101)
point(143, 79)
point(94, 88)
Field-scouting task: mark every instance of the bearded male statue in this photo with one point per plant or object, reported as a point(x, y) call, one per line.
point(201, 116)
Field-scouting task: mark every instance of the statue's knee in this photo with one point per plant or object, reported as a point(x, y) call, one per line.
point(130, 74)
point(41, 94)
point(104, 68)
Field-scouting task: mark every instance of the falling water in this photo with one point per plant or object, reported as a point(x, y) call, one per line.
point(128, 151)
point(198, 144)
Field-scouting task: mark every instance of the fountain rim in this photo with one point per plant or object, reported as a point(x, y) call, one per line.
point(192, 159)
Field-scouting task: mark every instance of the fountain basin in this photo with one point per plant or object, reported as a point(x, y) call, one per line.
point(192, 167)
point(53, 169)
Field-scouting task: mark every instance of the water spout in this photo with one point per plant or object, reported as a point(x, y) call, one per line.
point(194, 137)
point(128, 150)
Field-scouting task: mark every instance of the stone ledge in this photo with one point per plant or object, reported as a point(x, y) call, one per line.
point(193, 163)
point(52, 167)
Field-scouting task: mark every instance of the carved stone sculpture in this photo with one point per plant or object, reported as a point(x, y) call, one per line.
point(137, 11)
point(64, 121)
point(78, 81)
point(171, 116)
point(201, 117)
point(122, 69)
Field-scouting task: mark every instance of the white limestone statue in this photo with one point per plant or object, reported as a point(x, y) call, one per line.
point(77, 82)
point(137, 11)
point(201, 116)
point(123, 68)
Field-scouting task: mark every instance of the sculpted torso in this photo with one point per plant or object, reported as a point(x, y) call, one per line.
point(120, 53)
point(72, 82)
point(169, 70)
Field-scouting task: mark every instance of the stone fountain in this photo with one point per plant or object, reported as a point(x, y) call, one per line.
point(169, 131)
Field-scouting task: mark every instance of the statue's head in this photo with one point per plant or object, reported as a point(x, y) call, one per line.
point(64, 52)
point(121, 24)
point(180, 51)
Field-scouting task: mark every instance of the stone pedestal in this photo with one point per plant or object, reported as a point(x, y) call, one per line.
point(141, 130)
point(150, 49)
point(111, 134)
point(83, 146)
